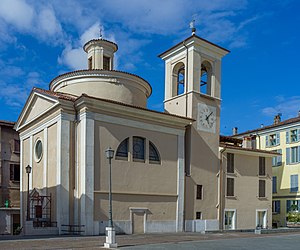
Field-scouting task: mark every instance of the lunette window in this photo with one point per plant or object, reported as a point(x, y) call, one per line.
point(138, 150)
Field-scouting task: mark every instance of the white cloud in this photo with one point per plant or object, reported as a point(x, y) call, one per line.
point(288, 106)
point(48, 23)
point(74, 58)
point(17, 12)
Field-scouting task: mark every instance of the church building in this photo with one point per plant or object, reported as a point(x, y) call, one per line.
point(166, 164)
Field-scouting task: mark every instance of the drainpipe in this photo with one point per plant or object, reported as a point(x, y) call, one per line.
point(221, 195)
point(186, 77)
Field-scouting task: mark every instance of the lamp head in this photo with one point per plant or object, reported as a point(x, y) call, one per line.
point(28, 169)
point(109, 153)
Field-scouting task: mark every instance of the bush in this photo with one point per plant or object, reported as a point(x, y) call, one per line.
point(293, 217)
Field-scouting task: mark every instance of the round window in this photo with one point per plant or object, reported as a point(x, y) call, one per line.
point(38, 150)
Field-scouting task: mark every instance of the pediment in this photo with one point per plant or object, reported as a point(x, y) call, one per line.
point(37, 104)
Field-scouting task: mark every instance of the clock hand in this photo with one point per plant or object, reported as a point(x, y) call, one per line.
point(208, 116)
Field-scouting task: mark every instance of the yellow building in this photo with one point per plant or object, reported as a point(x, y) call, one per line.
point(282, 137)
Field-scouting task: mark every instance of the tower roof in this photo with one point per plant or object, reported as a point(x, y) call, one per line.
point(100, 42)
point(193, 37)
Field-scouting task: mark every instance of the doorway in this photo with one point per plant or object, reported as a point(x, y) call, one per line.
point(261, 218)
point(230, 219)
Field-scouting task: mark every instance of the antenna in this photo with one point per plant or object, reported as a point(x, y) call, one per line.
point(100, 33)
point(192, 26)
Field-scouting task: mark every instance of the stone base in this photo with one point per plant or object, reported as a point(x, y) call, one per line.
point(110, 238)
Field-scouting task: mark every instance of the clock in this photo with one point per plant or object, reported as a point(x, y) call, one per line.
point(207, 118)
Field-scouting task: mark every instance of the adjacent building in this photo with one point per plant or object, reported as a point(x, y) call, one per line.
point(282, 137)
point(246, 185)
point(9, 178)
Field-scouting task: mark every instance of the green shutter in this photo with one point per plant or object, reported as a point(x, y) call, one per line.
point(277, 138)
point(287, 136)
point(267, 141)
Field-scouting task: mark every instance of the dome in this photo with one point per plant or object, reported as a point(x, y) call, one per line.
point(100, 80)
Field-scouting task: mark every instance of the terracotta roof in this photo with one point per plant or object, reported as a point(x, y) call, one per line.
point(190, 38)
point(7, 123)
point(224, 145)
point(58, 95)
point(230, 139)
point(95, 71)
point(74, 98)
point(286, 122)
point(101, 39)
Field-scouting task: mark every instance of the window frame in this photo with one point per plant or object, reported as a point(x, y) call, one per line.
point(262, 166)
point(135, 157)
point(230, 190)
point(156, 152)
point(199, 192)
point(118, 151)
point(14, 168)
point(261, 188)
point(294, 188)
point(230, 163)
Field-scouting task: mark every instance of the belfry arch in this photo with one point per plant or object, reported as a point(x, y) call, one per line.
point(178, 79)
point(206, 78)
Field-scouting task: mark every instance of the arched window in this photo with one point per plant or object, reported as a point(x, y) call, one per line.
point(205, 81)
point(178, 79)
point(154, 156)
point(138, 149)
point(122, 151)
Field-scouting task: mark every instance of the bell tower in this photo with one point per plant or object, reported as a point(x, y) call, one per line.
point(193, 89)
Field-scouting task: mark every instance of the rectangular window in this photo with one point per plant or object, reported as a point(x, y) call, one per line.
point(277, 160)
point(14, 172)
point(294, 135)
point(276, 207)
point(16, 146)
point(262, 189)
point(292, 205)
point(199, 192)
point(274, 184)
point(230, 163)
point(294, 183)
point(230, 187)
point(294, 154)
point(272, 140)
point(198, 215)
point(106, 63)
point(262, 166)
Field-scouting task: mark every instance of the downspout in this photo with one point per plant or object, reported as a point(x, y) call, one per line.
point(221, 195)
point(186, 77)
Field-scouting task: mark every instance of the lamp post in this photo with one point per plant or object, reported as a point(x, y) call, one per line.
point(28, 171)
point(110, 231)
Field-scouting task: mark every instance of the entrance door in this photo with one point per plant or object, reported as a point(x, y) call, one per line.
point(229, 220)
point(261, 218)
point(138, 223)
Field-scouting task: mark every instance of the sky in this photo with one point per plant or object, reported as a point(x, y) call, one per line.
point(260, 77)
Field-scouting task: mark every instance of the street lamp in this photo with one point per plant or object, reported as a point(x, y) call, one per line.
point(110, 231)
point(28, 171)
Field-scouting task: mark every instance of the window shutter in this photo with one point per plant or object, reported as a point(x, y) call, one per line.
point(298, 152)
point(294, 183)
point(287, 136)
point(277, 205)
point(288, 156)
point(277, 139)
point(274, 161)
point(262, 188)
point(279, 157)
point(288, 205)
point(274, 184)
point(298, 134)
point(267, 141)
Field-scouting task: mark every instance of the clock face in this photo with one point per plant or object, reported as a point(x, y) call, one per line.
point(206, 120)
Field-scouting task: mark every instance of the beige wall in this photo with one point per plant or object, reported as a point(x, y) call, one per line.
point(152, 186)
point(246, 183)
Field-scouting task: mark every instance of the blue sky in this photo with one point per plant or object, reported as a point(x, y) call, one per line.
point(41, 39)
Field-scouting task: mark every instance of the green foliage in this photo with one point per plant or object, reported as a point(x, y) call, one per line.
point(293, 216)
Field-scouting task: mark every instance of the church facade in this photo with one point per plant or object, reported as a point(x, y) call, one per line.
point(166, 164)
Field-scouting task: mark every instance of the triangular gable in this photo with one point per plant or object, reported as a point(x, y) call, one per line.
point(36, 105)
